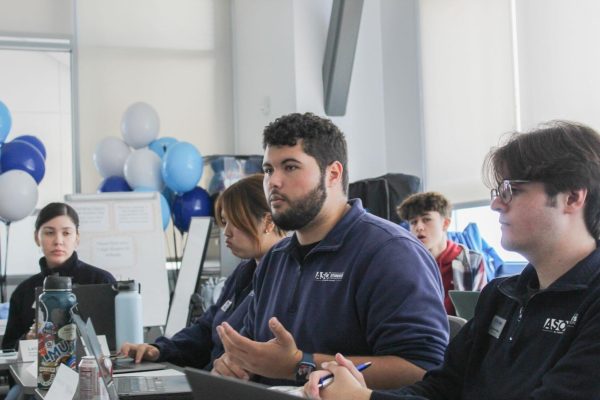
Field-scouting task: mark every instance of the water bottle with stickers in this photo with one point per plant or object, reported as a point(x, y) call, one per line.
point(56, 332)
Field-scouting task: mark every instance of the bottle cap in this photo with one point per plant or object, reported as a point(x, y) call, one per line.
point(129, 285)
point(54, 282)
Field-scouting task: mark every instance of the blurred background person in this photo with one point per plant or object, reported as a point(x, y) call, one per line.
point(428, 215)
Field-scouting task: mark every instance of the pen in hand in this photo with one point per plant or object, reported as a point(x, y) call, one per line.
point(327, 379)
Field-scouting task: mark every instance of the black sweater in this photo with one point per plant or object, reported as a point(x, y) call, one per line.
point(544, 346)
point(21, 313)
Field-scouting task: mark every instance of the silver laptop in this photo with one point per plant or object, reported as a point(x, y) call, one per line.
point(464, 302)
point(214, 387)
point(134, 387)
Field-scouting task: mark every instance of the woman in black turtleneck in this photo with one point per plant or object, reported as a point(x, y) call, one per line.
point(56, 232)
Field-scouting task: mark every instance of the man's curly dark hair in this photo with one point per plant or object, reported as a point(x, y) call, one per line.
point(321, 139)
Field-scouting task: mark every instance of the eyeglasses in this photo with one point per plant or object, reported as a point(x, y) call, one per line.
point(504, 190)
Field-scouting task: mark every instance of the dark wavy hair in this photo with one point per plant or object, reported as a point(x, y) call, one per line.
point(419, 203)
point(562, 155)
point(321, 139)
point(53, 210)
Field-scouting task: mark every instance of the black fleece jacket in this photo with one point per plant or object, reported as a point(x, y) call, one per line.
point(21, 313)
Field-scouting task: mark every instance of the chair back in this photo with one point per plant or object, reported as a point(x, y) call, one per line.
point(456, 324)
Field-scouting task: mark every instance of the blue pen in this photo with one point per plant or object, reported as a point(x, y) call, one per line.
point(327, 379)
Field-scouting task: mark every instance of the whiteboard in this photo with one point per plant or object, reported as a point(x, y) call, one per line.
point(122, 233)
point(189, 273)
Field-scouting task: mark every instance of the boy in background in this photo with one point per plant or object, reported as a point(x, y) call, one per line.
point(428, 215)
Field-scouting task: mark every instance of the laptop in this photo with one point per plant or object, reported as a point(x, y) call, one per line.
point(119, 364)
point(215, 387)
point(154, 387)
point(464, 302)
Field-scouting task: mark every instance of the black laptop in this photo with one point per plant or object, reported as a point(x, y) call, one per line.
point(206, 386)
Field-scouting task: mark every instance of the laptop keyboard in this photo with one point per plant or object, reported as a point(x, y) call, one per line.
point(140, 384)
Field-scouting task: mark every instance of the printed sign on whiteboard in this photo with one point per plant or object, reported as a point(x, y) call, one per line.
point(93, 217)
point(114, 251)
point(134, 217)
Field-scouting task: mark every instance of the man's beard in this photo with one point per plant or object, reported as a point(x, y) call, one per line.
point(302, 211)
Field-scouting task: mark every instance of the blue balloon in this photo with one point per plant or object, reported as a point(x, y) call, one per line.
point(114, 184)
point(161, 145)
point(182, 167)
point(5, 122)
point(169, 195)
point(164, 206)
point(23, 156)
point(195, 203)
point(37, 143)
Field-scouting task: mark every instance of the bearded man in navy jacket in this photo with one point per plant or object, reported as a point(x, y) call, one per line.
point(535, 335)
point(346, 281)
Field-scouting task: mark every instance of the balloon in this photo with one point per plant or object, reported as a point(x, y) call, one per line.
point(164, 207)
point(37, 143)
point(169, 195)
point(140, 125)
point(194, 203)
point(110, 156)
point(18, 195)
point(182, 167)
point(114, 184)
point(23, 156)
point(161, 145)
point(5, 122)
point(142, 170)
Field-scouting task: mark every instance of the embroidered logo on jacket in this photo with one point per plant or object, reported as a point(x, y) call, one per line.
point(329, 276)
point(559, 326)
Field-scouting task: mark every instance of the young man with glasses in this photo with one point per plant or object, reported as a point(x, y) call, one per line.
point(535, 335)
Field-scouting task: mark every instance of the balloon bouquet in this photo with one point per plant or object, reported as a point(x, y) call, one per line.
point(143, 162)
point(22, 168)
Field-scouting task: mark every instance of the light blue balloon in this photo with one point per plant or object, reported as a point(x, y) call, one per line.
point(164, 206)
point(5, 122)
point(182, 167)
point(161, 145)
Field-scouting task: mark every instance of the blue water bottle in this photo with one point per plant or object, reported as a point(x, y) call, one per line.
point(128, 313)
point(56, 331)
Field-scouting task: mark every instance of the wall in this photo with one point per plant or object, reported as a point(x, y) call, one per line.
point(36, 17)
point(173, 55)
point(278, 55)
point(468, 90)
point(263, 68)
point(559, 60)
point(400, 37)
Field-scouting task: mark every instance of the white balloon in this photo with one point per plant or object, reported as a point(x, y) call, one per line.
point(140, 125)
point(18, 195)
point(110, 156)
point(142, 170)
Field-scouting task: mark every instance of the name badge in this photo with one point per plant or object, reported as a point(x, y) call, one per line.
point(496, 326)
point(226, 306)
